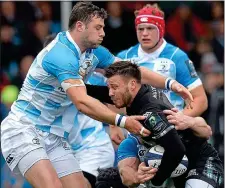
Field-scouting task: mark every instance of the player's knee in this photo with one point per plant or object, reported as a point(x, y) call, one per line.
point(53, 182)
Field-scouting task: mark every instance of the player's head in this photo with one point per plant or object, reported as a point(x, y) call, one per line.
point(88, 20)
point(109, 178)
point(124, 80)
point(150, 26)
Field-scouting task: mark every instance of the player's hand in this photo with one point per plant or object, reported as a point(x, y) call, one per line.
point(178, 119)
point(183, 92)
point(116, 134)
point(133, 125)
point(145, 173)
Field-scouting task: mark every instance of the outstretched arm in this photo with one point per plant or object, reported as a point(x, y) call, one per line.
point(158, 81)
point(95, 109)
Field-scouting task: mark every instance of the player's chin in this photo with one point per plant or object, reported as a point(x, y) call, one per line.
point(96, 45)
point(147, 45)
point(118, 105)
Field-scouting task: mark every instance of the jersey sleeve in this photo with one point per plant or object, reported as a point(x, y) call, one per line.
point(127, 148)
point(62, 63)
point(185, 70)
point(97, 79)
point(104, 56)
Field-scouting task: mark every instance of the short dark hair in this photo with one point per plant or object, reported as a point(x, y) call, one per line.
point(85, 11)
point(49, 39)
point(124, 68)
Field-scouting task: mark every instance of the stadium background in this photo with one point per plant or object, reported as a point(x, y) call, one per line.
point(196, 27)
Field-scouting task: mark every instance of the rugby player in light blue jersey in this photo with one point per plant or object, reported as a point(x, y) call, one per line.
point(88, 139)
point(33, 135)
point(154, 53)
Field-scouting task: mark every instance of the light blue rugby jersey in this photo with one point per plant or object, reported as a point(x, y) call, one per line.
point(87, 132)
point(42, 99)
point(169, 61)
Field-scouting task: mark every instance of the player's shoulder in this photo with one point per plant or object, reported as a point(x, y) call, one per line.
point(128, 148)
point(60, 52)
point(100, 50)
point(61, 48)
point(128, 52)
point(173, 52)
point(130, 141)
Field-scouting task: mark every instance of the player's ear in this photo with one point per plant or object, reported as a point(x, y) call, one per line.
point(80, 26)
point(132, 84)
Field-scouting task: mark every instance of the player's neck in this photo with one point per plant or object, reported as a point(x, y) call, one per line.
point(76, 37)
point(151, 50)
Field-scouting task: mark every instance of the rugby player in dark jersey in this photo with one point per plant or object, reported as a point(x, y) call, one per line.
point(125, 90)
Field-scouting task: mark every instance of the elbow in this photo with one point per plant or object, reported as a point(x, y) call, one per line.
point(80, 105)
point(203, 101)
point(204, 104)
point(179, 151)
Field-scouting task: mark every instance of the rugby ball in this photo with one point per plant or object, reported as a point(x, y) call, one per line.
point(153, 158)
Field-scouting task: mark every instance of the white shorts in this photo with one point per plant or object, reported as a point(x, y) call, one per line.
point(23, 145)
point(91, 159)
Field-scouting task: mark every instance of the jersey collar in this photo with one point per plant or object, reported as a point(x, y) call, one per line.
point(153, 55)
point(73, 42)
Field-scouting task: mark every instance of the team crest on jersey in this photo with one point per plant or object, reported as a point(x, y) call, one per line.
point(162, 65)
point(86, 64)
point(85, 68)
point(191, 68)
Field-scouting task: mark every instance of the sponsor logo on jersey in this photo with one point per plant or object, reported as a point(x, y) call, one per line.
point(192, 172)
point(61, 89)
point(152, 120)
point(36, 141)
point(65, 145)
point(147, 114)
point(141, 152)
point(9, 159)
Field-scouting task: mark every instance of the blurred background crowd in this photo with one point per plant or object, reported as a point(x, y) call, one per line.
point(195, 27)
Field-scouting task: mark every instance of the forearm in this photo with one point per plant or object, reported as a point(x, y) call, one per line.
point(200, 128)
point(95, 109)
point(200, 103)
point(199, 106)
point(152, 78)
point(129, 176)
point(174, 152)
